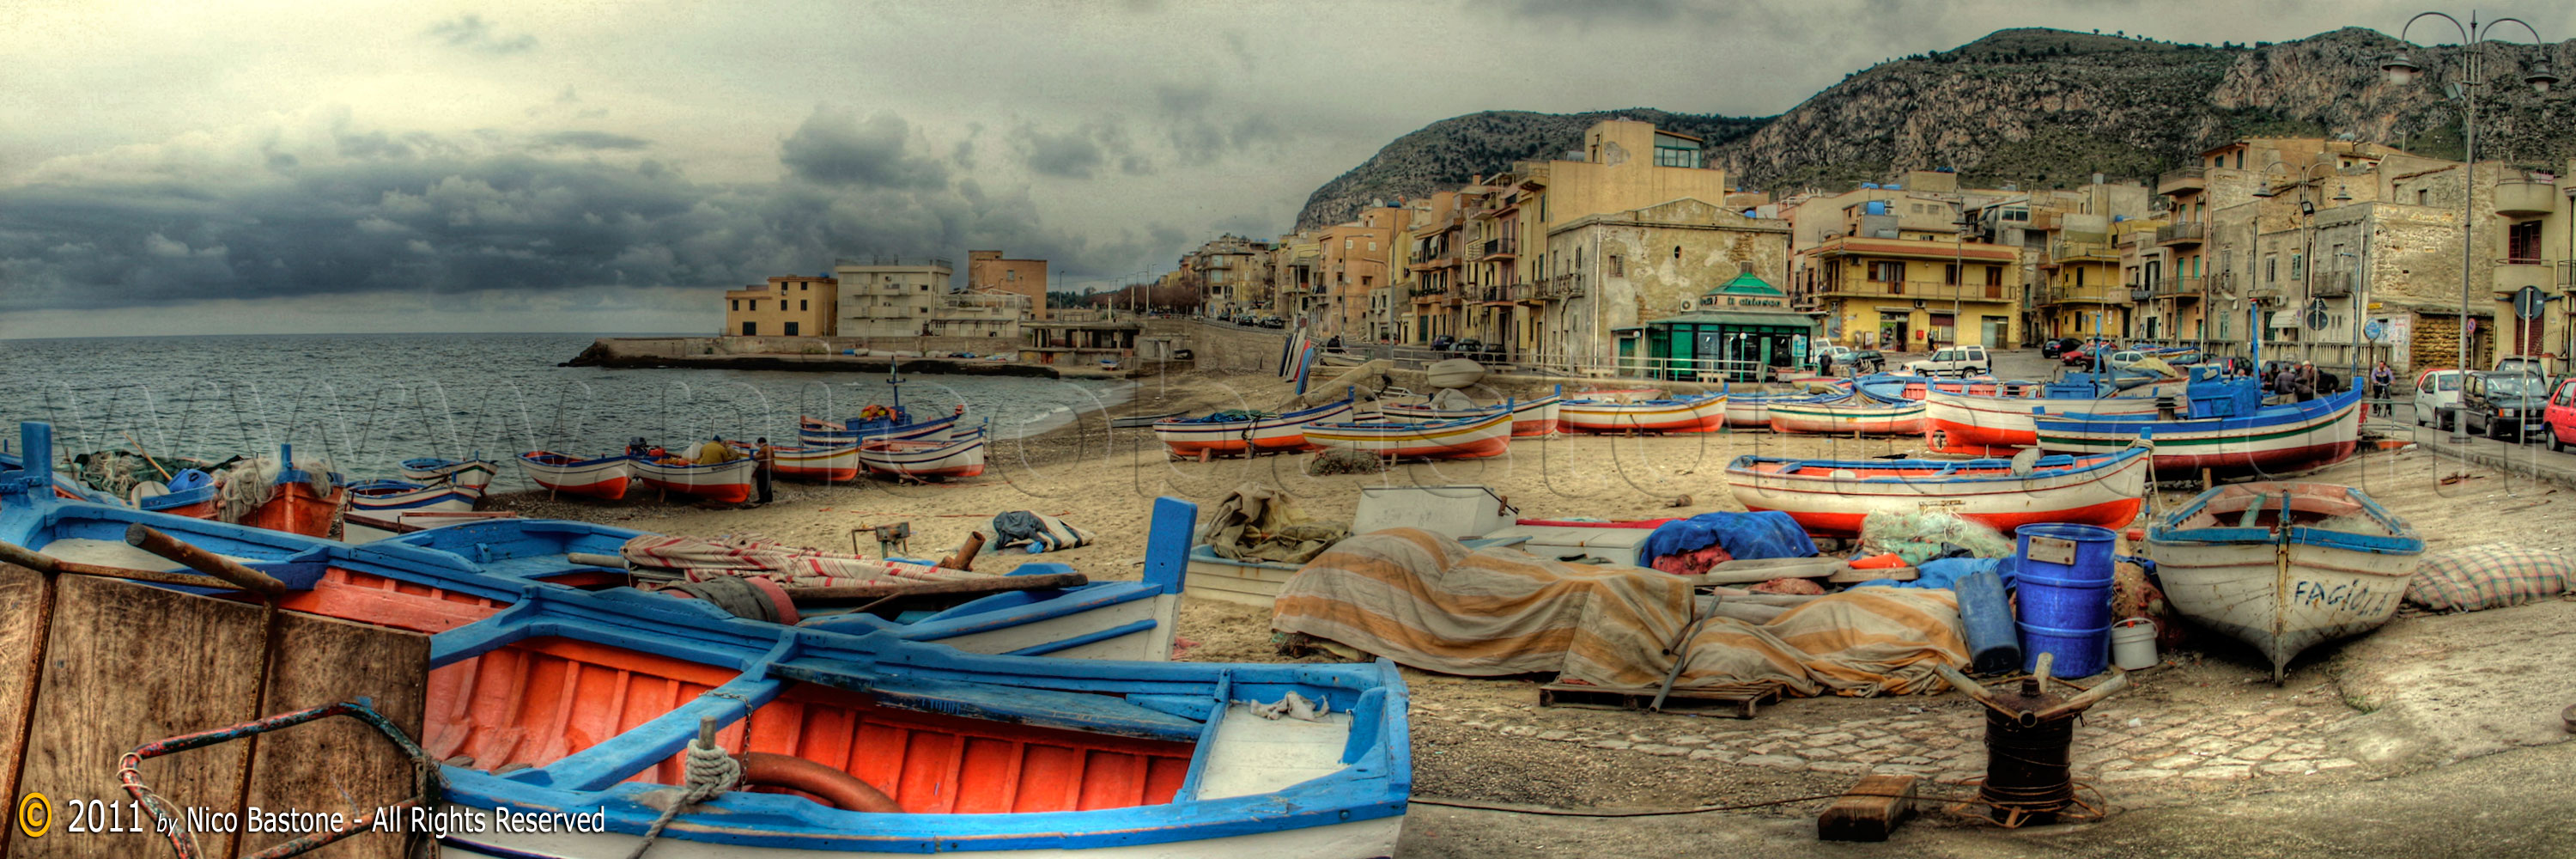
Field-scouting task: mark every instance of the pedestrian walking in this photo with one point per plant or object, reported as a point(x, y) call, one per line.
point(764, 458)
point(2381, 379)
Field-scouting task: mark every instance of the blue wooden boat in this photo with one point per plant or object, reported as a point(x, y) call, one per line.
point(877, 422)
point(2226, 429)
point(573, 702)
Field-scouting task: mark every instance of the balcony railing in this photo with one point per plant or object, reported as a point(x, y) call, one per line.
point(1494, 247)
point(2567, 274)
point(1561, 286)
point(2063, 250)
point(2182, 234)
point(2182, 181)
point(2181, 287)
point(2141, 293)
point(2332, 285)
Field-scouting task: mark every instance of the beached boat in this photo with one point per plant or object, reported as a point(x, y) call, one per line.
point(829, 463)
point(297, 500)
point(603, 477)
point(822, 433)
point(1453, 373)
point(473, 472)
point(1981, 424)
point(1704, 413)
point(1238, 432)
point(960, 455)
point(357, 527)
point(2228, 432)
point(1463, 438)
point(1855, 414)
point(64, 485)
point(2285, 566)
point(1530, 418)
point(1619, 395)
point(386, 497)
point(728, 481)
point(597, 693)
point(1753, 411)
point(1831, 497)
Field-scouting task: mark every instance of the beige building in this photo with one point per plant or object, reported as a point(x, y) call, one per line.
point(1295, 286)
point(787, 306)
point(1233, 274)
point(1355, 258)
point(1625, 269)
point(887, 297)
point(987, 272)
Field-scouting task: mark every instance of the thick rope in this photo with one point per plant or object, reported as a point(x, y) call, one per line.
point(711, 772)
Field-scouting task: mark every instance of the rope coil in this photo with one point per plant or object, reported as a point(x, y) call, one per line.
point(710, 770)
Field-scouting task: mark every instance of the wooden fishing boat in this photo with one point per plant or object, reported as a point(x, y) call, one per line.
point(1531, 418)
point(1344, 360)
point(604, 477)
point(829, 463)
point(961, 455)
point(1705, 413)
point(1232, 435)
point(2285, 566)
point(294, 504)
point(823, 433)
point(1753, 411)
point(386, 497)
point(1619, 395)
point(1464, 438)
point(576, 702)
point(1969, 423)
point(66, 487)
point(728, 481)
point(2237, 435)
point(1851, 415)
point(1832, 497)
point(357, 527)
point(474, 472)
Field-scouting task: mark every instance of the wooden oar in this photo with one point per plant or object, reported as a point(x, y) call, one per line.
point(993, 584)
point(147, 457)
point(44, 563)
point(143, 537)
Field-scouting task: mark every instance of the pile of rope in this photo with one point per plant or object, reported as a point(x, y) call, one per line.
point(243, 486)
point(711, 772)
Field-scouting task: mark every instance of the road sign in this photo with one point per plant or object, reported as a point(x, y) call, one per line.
point(2528, 302)
point(2317, 315)
point(2376, 331)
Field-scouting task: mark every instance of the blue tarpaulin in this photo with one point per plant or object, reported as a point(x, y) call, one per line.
point(1769, 534)
point(1942, 573)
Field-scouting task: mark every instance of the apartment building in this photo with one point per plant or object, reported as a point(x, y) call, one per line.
point(988, 273)
point(786, 306)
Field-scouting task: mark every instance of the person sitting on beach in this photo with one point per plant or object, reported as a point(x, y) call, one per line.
point(715, 450)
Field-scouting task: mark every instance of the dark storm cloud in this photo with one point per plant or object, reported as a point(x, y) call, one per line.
point(834, 147)
point(470, 32)
point(1199, 134)
point(400, 212)
point(1603, 11)
point(1077, 152)
point(593, 140)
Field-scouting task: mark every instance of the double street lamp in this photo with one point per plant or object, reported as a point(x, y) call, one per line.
point(2472, 74)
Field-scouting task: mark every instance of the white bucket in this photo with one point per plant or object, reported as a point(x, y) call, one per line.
point(2133, 644)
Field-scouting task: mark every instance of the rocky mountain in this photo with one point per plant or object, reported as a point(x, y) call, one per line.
point(2041, 108)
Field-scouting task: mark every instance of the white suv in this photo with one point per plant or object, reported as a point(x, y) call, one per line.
point(1961, 361)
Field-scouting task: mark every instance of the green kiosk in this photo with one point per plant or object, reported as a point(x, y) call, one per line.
point(1738, 332)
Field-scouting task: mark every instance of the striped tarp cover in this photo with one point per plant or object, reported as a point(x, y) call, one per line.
point(701, 558)
point(2484, 577)
point(1426, 601)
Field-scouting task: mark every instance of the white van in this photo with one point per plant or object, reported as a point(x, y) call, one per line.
point(1961, 361)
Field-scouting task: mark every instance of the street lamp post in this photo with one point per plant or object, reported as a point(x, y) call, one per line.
point(2403, 71)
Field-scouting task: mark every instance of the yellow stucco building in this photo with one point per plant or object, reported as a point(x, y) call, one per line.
point(1915, 294)
point(788, 306)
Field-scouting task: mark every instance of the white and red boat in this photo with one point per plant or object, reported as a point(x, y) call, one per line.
point(825, 462)
point(1620, 395)
point(356, 527)
point(2241, 438)
point(388, 497)
point(1234, 433)
point(1706, 413)
point(1853, 415)
point(959, 455)
point(1984, 424)
point(1486, 435)
point(1529, 419)
point(604, 477)
point(1831, 497)
point(728, 481)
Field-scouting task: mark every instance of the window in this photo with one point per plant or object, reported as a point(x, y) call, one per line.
point(2079, 277)
point(802, 287)
point(791, 329)
point(734, 304)
point(2522, 243)
point(1615, 269)
point(2269, 269)
point(750, 329)
point(1677, 251)
point(1950, 274)
point(2423, 197)
point(1995, 275)
point(800, 304)
point(1887, 272)
point(2240, 159)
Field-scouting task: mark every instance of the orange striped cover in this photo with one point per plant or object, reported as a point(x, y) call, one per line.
point(1426, 601)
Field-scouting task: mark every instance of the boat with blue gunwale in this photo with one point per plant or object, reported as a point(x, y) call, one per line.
point(596, 702)
point(1832, 497)
point(1238, 433)
point(2285, 566)
point(2227, 430)
point(1488, 434)
point(1688, 414)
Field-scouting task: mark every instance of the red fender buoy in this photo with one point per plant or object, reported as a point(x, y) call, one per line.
point(838, 789)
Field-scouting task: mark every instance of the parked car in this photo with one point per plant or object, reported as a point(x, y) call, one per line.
point(2058, 347)
point(2559, 417)
point(1860, 360)
point(2437, 395)
point(2522, 365)
point(1961, 361)
point(1825, 357)
point(2503, 406)
point(2126, 358)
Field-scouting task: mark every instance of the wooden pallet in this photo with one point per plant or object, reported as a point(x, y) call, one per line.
point(1739, 705)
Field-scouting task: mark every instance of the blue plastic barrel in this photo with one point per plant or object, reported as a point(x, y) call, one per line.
point(2065, 597)
point(1993, 647)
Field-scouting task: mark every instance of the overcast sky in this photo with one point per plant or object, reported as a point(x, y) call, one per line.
point(235, 167)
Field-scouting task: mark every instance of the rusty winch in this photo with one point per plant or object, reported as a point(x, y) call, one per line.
point(2030, 738)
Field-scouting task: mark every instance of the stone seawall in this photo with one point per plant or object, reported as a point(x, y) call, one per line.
point(814, 354)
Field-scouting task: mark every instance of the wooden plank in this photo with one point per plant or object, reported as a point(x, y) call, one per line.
point(1740, 705)
point(339, 764)
point(20, 590)
point(128, 664)
point(1849, 575)
point(1870, 811)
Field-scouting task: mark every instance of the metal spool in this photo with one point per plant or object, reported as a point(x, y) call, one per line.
point(2030, 739)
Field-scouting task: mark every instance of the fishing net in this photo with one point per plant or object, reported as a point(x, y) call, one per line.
point(117, 472)
point(1919, 537)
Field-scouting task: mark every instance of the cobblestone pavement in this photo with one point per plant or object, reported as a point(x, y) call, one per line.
point(2140, 753)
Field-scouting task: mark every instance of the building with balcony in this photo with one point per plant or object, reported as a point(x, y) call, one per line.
point(1914, 294)
point(987, 272)
point(888, 296)
point(1355, 258)
point(1232, 274)
point(786, 306)
point(1620, 271)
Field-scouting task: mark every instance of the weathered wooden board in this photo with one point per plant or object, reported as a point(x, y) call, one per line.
point(20, 592)
point(1870, 811)
point(128, 664)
